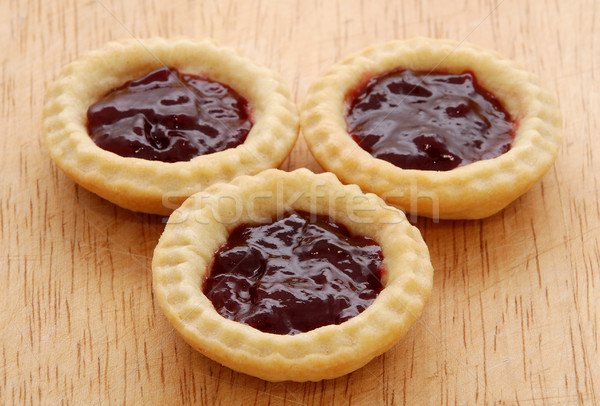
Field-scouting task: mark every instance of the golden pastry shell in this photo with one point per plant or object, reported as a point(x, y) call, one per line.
point(154, 186)
point(202, 224)
point(472, 191)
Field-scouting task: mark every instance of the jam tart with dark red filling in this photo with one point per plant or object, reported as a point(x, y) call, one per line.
point(437, 128)
point(290, 275)
point(147, 123)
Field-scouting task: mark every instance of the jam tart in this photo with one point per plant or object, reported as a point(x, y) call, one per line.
point(440, 129)
point(147, 123)
point(206, 263)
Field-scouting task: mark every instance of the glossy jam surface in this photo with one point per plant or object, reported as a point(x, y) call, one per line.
point(429, 121)
point(168, 116)
point(294, 275)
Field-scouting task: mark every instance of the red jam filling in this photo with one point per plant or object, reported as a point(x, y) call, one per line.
point(294, 275)
point(429, 120)
point(169, 116)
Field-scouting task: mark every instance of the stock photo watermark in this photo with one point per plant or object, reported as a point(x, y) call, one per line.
point(263, 205)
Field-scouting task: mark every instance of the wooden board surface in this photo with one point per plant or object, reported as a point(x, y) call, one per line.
point(514, 313)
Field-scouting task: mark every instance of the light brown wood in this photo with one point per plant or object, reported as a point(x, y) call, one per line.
point(514, 314)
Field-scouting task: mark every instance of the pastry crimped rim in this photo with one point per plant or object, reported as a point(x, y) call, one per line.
point(155, 186)
point(472, 191)
point(185, 253)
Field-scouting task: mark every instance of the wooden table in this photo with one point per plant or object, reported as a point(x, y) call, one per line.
point(514, 313)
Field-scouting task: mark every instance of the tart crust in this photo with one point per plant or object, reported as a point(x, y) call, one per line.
point(155, 186)
point(476, 190)
point(202, 224)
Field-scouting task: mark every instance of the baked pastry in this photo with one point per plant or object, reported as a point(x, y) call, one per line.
point(188, 258)
point(403, 102)
point(153, 162)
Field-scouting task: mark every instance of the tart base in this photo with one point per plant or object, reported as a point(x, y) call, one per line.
point(202, 224)
point(473, 191)
point(153, 186)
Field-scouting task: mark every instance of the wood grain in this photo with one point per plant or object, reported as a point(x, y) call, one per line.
point(514, 315)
